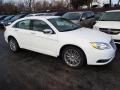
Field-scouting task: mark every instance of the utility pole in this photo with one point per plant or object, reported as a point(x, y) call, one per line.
point(33, 6)
point(110, 3)
point(118, 2)
point(30, 5)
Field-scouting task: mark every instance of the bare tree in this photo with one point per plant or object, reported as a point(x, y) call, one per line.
point(21, 7)
point(28, 5)
point(8, 8)
point(88, 3)
point(118, 2)
point(41, 6)
point(78, 3)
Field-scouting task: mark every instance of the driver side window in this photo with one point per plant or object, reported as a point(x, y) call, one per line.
point(39, 25)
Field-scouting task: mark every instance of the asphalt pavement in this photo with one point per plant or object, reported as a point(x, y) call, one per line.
point(27, 70)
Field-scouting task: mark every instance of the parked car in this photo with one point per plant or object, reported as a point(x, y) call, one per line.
point(41, 14)
point(109, 23)
point(3, 22)
point(84, 19)
point(56, 36)
point(7, 18)
point(15, 18)
point(98, 15)
point(2, 17)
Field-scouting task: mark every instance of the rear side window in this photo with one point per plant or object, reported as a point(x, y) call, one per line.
point(88, 15)
point(25, 24)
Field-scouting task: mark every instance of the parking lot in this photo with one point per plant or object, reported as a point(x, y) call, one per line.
point(27, 70)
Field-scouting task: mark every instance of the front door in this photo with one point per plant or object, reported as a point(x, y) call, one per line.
point(41, 42)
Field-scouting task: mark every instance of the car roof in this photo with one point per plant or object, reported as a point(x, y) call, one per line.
point(37, 17)
point(75, 12)
point(42, 14)
point(79, 12)
point(113, 11)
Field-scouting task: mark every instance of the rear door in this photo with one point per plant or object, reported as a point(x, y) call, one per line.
point(22, 33)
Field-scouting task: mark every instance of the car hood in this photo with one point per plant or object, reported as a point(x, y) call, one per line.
point(108, 24)
point(85, 34)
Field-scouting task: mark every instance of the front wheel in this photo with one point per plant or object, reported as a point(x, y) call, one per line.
point(13, 45)
point(73, 57)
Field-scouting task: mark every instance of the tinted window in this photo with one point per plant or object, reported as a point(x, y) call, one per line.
point(110, 16)
point(17, 17)
point(89, 14)
point(25, 24)
point(39, 25)
point(98, 15)
point(84, 15)
point(72, 16)
point(2, 18)
point(8, 17)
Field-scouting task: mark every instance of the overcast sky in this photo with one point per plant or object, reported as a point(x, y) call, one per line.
point(114, 1)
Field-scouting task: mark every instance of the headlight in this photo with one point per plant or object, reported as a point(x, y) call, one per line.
point(100, 45)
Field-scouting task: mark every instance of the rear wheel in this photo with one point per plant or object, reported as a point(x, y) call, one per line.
point(13, 45)
point(73, 56)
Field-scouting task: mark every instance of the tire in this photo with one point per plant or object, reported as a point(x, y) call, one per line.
point(13, 45)
point(73, 57)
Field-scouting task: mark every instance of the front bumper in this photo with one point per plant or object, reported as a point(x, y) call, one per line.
point(116, 38)
point(100, 57)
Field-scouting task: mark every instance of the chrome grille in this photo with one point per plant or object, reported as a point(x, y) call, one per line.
point(110, 31)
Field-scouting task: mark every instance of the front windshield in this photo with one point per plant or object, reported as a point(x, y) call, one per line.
point(9, 17)
point(63, 25)
point(2, 17)
point(110, 16)
point(15, 17)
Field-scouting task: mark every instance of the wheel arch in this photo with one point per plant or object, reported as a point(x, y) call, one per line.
point(9, 37)
point(69, 45)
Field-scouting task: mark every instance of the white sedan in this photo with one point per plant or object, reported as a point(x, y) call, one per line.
point(55, 36)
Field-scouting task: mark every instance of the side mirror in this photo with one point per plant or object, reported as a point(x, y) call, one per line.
point(47, 31)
